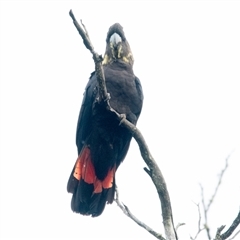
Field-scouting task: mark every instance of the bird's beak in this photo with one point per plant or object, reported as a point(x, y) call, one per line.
point(115, 39)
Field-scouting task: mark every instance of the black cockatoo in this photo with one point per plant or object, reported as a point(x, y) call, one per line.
point(101, 140)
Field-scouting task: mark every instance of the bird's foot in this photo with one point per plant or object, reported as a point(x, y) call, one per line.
point(123, 117)
point(108, 97)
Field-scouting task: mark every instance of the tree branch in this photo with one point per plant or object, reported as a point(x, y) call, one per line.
point(96, 57)
point(219, 183)
point(199, 223)
point(229, 231)
point(179, 225)
point(205, 211)
point(207, 207)
point(234, 235)
point(158, 180)
point(126, 211)
point(154, 171)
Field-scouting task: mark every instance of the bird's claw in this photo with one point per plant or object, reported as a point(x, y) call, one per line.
point(123, 117)
point(108, 97)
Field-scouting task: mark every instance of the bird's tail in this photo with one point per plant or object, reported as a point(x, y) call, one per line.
point(89, 193)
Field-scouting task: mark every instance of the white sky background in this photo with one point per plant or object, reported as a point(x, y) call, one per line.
point(187, 56)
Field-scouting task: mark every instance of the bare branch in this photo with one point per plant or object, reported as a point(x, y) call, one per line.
point(205, 211)
point(147, 171)
point(218, 234)
point(199, 223)
point(234, 235)
point(199, 219)
point(127, 212)
point(97, 59)
point(219, 182)
point(179, 225)
point(157, 179)
point(154, 171)
point(207, 207)
point(231, 228)
point(83, 33)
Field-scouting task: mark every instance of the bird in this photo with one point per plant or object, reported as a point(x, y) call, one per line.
point(101, 140)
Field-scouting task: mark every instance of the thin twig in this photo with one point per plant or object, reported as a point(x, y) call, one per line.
point(104, 96)
point(199, 223)
point(179, 225)
point(218, 234)
point(147, 171)
point(219, 182)
point(127, 212)
point(205, 211)
point(234, 235)
point(207, 207)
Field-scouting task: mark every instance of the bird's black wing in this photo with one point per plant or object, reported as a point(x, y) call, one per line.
point(140, 93)
point(84, 125)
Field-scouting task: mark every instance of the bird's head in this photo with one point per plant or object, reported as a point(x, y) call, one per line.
point(117, 48)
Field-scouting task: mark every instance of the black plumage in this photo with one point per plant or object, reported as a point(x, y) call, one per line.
point(101, 140)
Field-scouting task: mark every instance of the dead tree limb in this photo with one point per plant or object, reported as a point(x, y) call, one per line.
point(96, 57)
point(199, 223)
point(205, 211)
point(230, 230)
point(205, 206)
point(233, 237)
point(126, 211)
point(153, 171)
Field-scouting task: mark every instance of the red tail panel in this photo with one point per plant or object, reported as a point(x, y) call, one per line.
point(89, 193)
point(108, 181)
point(84, 169)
